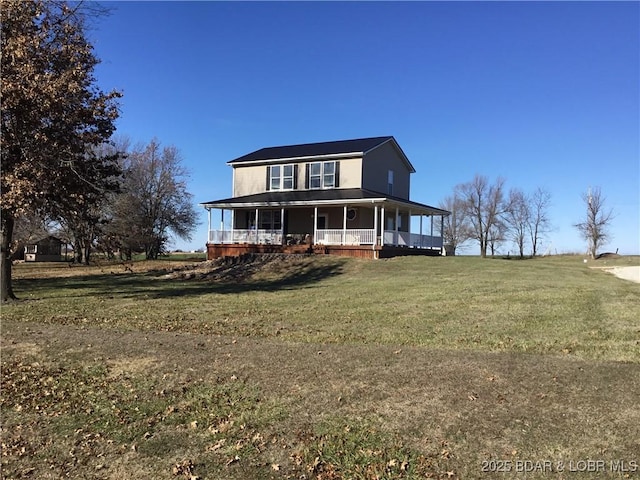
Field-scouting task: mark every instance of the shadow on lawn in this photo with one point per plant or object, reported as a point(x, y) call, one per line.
point(155, 284)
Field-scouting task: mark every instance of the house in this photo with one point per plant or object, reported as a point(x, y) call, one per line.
point(348, 197)
point(47, 249)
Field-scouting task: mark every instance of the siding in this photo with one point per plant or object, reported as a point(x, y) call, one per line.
point(251, 179)
point(376, 166)
point(350, 172)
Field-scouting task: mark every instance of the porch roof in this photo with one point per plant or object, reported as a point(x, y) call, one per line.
point(311, 198)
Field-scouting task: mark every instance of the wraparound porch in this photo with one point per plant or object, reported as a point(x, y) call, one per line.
point(353, 229)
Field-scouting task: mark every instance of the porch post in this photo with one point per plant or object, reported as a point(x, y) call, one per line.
point(344, 225)
point(315, 224)
point(209, 226)
point(257, 225)
point(233, 224)
point(410, 244)
point(222, 225)
point(282, 241)
point(421, 239)
point(382, 219)
point(395, 234)
point(375, 226)
point(442, 234)
point(431, 238)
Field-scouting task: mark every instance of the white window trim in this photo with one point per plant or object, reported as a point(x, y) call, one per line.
point(321, 175)
point(281, 178)
point(291, 177)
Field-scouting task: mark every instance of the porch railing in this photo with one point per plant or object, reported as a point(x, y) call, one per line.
point(335, 236)
point(351, 236)
point(406, 239)
point(260, 236)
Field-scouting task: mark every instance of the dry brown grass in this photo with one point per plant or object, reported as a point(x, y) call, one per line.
point(125, 399)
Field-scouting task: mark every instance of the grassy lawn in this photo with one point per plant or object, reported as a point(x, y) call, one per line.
point(323, 368)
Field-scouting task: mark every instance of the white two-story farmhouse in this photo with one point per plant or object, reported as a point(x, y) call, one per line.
point(348, 197)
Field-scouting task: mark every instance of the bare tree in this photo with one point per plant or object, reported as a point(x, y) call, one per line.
point(484, 205)
point(82, 216)
point(496, 236)
point(457, 228)
point(595, 227)
point(538, 223)
point(154, 203)
point(517, 218)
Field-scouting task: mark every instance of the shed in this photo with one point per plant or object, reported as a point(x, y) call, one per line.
point(47, 249)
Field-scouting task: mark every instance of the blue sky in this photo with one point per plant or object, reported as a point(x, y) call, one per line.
point(544, 94)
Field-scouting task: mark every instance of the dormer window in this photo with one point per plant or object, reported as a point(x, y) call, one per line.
point(322, 175)
point(281, 177)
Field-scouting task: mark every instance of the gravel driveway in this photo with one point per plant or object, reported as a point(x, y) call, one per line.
point(627, 273)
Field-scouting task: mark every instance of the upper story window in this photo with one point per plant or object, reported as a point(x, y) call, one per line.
point(281, 177)
point(322, 175)
point(390, 182)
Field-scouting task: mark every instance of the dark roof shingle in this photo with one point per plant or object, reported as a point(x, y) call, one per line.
point(359, 145)
point(339, 196)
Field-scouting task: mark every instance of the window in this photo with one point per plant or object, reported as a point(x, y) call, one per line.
point(287, 177)
point(315, 175)
point(329, 175)
point(281, 177)
point(323, 175)
point(275, 177)
point(270, 220)
point(390, 182)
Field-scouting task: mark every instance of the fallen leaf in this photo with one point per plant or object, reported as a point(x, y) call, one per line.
point(219, 444)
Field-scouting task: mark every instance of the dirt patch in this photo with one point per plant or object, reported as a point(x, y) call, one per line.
point(135, 365)
point(236, 269)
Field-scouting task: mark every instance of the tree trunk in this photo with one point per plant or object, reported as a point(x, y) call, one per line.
point(6, 235)
point(483, 248)
point(82, 250)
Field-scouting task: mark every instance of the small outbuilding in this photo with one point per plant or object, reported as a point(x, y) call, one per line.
point(47, 249)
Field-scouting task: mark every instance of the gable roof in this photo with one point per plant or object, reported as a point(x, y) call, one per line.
point(322, 149)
